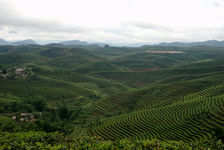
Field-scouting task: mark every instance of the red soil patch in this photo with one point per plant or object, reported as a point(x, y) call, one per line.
point(145, 69)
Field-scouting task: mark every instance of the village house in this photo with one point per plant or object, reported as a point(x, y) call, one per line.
point(19, 70)
point(24, 117)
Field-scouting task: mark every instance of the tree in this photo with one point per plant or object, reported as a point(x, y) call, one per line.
point(106, 45)
point(218, 133)
point(63, 112)
point(38, 102)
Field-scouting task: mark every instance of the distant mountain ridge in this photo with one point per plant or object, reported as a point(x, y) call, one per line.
point(25, 42)
point(78, 42)
point(74, 42)
point(2, 41)
point(185, 44)
point(22, 42)
point(175, 44)
point(84, 43)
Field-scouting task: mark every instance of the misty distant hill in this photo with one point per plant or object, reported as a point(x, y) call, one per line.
point(25, 42)
point(213, 43)
point(176, 44)
point(74, 42)
point(78, 42)
point(205, 43)
point(3, 42)
point(22, 42)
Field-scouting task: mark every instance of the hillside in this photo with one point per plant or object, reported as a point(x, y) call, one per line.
point(22, 42)
point(171, 94)
point(185, 111)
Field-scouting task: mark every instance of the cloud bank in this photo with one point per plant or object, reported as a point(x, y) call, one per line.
point(127, 22)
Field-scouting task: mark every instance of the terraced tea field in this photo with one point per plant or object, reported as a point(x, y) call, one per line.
point(154, 97)
point(187, 118)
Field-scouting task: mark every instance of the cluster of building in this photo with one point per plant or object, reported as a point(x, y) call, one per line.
point(28, 117)
point(19, 72)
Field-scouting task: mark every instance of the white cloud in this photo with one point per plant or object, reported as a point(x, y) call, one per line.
point(113, 21)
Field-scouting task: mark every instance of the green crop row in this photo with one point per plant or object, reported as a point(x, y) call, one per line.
point(189, 120)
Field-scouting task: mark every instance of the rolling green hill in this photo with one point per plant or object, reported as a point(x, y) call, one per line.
point(113, 94)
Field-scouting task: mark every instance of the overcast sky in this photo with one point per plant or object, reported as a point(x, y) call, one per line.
point(112, 21)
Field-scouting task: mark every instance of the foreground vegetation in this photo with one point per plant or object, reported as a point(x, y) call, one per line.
point(57, 141)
